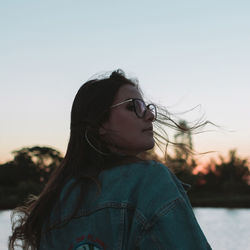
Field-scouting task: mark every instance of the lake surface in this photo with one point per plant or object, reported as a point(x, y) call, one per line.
point(225, 229)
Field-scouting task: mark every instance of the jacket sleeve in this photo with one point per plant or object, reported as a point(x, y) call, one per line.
point(173, 227)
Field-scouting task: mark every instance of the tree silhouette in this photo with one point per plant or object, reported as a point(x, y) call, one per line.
point(233, 174)
point(26, 174)
point(44, 159)
point(227, 176)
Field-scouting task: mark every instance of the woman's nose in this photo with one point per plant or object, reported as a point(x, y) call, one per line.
point(149, 116)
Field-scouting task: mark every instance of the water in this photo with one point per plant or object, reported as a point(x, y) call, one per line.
point(225, 229)
point(5, 228)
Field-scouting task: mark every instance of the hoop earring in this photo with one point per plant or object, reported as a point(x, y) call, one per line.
point(92, 146)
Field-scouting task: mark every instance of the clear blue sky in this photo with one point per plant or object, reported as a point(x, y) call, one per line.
point(184, 53)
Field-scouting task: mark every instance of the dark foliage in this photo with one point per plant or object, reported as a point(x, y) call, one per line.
point(26, 174)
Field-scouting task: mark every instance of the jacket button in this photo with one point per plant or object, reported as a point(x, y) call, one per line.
point(124, 205)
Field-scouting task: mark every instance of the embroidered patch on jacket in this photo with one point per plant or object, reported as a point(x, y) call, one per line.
point(87, 246)
point(87, 242)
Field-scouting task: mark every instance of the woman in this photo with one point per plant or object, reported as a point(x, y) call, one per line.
point(103, 196)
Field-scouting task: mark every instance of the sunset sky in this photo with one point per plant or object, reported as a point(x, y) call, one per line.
point(184, 53)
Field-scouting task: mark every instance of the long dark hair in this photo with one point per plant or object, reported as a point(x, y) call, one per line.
point(86, 156)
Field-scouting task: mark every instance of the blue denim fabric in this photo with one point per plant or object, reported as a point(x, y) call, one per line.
point(140, 206)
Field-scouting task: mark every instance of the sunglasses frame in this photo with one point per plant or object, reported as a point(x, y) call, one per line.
point(137, 99)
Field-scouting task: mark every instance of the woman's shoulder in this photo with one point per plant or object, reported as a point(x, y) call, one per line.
point(147, 185)
point(152, 174)
point(141, 169)
point(149, 167)
point(139, 178)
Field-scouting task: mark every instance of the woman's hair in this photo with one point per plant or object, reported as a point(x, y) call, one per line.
point(86, 156)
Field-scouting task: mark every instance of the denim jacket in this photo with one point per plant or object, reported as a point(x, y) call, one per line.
point(140, 206)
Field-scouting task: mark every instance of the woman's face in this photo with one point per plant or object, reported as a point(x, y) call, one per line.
point(124, 131)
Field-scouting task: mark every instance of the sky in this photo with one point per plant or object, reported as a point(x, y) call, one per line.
point(184, 54)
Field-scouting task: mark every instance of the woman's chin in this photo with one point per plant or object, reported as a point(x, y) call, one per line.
point(150, 145)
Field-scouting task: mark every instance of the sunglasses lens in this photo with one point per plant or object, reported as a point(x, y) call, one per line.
point(140, 107)
point(152, 109)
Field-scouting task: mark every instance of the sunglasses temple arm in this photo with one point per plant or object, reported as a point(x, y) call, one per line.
point(120, 103)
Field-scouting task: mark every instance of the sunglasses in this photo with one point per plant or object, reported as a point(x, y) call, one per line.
point(139, 107)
